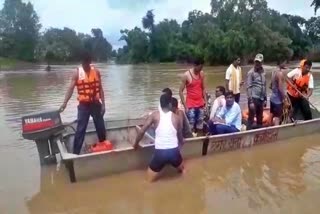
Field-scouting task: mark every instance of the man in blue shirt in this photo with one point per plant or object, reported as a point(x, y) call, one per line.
point(228, 119)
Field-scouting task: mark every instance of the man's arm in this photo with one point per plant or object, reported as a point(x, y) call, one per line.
point(233, 116)
point(311, 86)
point(204, 91)
point(220, 116)
point(69, 90)
point(227, 77)
point(181, 89)
point(249, 85)
point(179, 130)
point(143, 130)
point(291, 74)
point(101, 89)
point(214, 109)
point(281, 84)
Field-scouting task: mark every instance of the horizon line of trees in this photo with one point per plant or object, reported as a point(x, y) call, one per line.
point(234, 27)
point(20, 38)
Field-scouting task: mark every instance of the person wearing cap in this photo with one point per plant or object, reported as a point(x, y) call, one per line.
point(257, 92)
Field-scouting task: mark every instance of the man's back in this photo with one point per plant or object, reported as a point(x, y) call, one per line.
point(166, 129)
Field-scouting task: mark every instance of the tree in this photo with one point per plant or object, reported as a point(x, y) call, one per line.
point(316, 5)
point(19, 30)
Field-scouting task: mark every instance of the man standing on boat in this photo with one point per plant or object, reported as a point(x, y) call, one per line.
point(257, 92)
point(91, 101)
point(228, 119)
point(234, 78)
point(277, 94)
point(168, 138)
point(300, 89)
point(196, 99)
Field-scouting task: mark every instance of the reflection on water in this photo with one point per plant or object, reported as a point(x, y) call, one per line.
point(279, 178)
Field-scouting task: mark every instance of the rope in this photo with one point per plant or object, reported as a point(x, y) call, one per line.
point(286, 110)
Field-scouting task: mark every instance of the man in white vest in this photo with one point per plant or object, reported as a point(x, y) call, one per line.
point(168, 139)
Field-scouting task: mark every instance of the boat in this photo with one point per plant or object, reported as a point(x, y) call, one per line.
point(54, 138)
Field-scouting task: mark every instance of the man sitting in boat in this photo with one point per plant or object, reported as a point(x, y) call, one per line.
point(168, 138)
point(228, 119)
point(219, 102)
point(186, 130)
point(91, 101)
point(300, 88)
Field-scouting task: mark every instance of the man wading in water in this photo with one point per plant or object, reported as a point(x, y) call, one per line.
point(168, 138)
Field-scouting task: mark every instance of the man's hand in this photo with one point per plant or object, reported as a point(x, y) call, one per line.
point(242, 83)
point(136, 146)
point(63, 107)
point(186, 109)
point(217, 120)
point(265, 103)
point(251, 106)
point(103, 109)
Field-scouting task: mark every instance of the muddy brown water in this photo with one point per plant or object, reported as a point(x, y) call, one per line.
point(278, 178)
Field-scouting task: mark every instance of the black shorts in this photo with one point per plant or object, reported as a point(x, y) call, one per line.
point(276, 109)
point(162, 157)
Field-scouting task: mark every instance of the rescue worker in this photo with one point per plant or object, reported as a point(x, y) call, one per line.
point(87, 79)
point(302, 80)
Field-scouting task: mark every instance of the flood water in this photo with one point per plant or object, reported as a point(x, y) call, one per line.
point(279, 178)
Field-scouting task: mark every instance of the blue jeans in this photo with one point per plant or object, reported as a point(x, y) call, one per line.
point(84, 112)
point(216, 129)
point(195, 117)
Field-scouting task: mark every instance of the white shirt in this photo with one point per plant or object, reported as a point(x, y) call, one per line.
point(217, 106)
point(297, 73)
point(229, 76)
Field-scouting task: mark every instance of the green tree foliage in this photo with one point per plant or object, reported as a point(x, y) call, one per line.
point(234, 27)
point(66, 45)
point(19, 30)
point(20, 37)
point(316, 5)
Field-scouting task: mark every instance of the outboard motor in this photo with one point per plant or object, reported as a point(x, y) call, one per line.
point(44, 128)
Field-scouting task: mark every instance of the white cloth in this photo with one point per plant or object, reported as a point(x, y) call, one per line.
point(229, 77)
point(166, 133)
point(217, 106)
point(297, 73)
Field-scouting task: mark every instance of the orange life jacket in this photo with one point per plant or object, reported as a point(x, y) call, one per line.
point(88, 85)
point(301, 83)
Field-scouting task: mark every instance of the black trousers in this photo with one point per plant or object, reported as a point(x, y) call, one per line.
point(237, 98)
point(84, 112)
point(256, 112)
point(299, 103)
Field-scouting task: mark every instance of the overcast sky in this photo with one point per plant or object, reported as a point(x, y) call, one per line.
point(113, 15)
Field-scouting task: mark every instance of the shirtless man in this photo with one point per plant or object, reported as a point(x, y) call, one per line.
point(168, 139)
